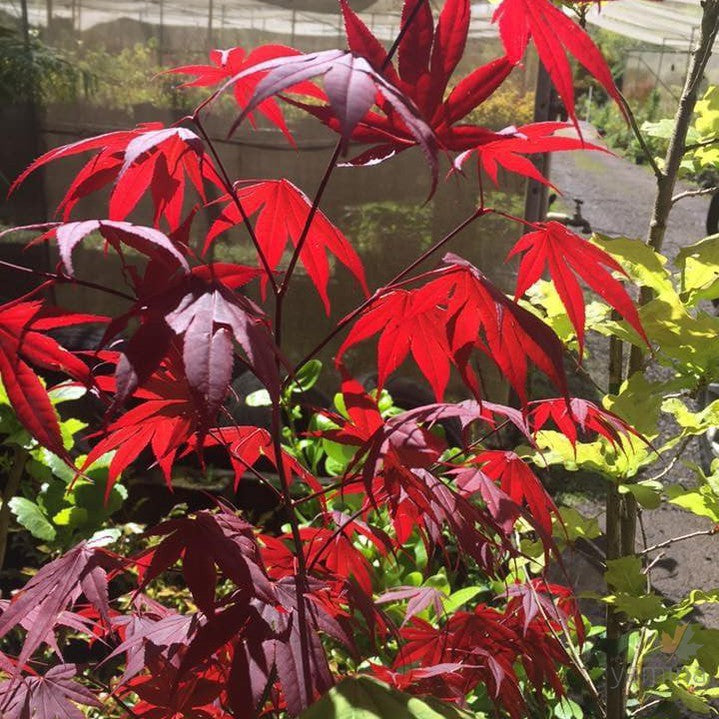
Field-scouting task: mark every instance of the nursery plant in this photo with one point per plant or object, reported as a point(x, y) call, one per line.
point(408, 573)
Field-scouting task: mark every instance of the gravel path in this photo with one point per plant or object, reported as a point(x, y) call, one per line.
point(618, 197)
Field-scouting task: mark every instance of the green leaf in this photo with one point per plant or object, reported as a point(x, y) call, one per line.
point(599, 456)
point(663, 129)
point(643, 607)
point(702, 501)
point(568, 709)
point(576, 525)
point(625, 575)
point(258, 398)
point(307, 376)
point(91, 497)
point(30, 516)
point(104, 537)
point(648, 493)
point(71, 517)
point(699, 270)
point(707, 112)
point(639, 402)
point(689, 699)
point(645, 266)
point(365, 698)
point(66, 392)
point(460, 597)
point(692, 422)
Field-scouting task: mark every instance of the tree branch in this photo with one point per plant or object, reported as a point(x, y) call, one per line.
point(640, 138)
point(681, 538)
point(694, 193)
point(232, 192)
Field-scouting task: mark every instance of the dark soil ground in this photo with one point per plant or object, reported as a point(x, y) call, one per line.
point(618, 197)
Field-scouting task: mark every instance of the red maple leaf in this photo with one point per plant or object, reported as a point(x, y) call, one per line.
point(409, 321)
point(164, 694)
point(165, 420)
point(579, 418)
point(200, 316)
point(482, 647)
point(228, 63)
point(55, 588)
point(204, 541)
point(23, 345)
point(565, 254)
point(283, 210)
point(352, 86)
point(427, 57)
point(521, 484)
point(452, 314)
point(151, 156)
point(554, 35)
point(510, 148)
point(485, 318)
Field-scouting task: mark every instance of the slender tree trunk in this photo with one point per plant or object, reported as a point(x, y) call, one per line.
point(621, 510)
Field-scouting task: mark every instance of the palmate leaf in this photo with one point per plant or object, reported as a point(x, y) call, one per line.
point(52, 590)
point(282, 212)
point(510, 149)
point(579, 419)
point(201, 316)
point(352, 86)
point(164, 420)
point(146, 240)
point(228, 63)
point(408, 322)
point(554, 35)
point(444, 320)
point(23, 345)
point(521, 484)
point(205, 541)
point(54, 695)
point(427, 58)
point(485, 646)
point(132, 161)
point(565, 255)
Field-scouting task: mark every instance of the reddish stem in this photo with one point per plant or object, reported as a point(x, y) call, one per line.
point(232, 192)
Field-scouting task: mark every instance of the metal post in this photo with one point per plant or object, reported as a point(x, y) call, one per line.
point(535, 200)
point(661, 59)
point(25, 24)
point(292, 32)
point(161, 34)
point(588, 114)
point(48, 7)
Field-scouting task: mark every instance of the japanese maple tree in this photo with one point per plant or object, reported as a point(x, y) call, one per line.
point(269, 614)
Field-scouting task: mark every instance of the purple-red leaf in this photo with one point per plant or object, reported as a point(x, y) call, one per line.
point(51, 591)
point(341, 70)
point(147, 240)
point(54, 695)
